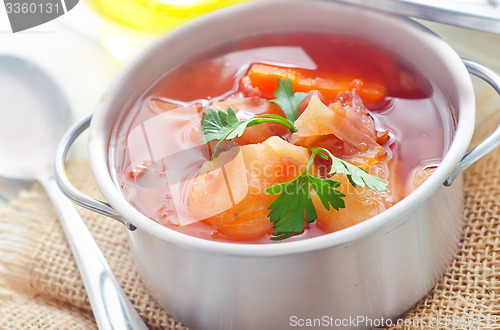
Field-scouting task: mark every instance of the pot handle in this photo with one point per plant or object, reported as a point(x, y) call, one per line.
point(492, 141)
point(67, 187)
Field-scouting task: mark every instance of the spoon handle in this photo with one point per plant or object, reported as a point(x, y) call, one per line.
point(111, 307)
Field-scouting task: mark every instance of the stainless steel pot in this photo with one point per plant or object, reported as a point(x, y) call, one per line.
point(355, 278)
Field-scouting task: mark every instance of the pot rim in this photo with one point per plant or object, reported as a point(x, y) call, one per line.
point(100, 135)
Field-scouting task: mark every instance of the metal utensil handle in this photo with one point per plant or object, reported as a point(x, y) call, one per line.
point(111, 307)
point(492, 141)
point(65, 185)
point(476, 15)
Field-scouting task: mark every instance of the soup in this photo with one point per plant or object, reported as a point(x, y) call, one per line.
point(279, 137)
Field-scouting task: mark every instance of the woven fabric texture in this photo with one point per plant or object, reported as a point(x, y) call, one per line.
point(41, 287)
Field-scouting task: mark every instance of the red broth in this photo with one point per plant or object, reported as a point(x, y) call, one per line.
point(155, 148)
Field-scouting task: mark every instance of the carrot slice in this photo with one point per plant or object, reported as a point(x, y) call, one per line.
point(265, 77)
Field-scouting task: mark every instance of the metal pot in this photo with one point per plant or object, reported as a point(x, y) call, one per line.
point(371, 272)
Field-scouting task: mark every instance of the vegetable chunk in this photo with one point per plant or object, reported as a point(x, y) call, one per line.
point(320, 120)
point(361, 204)
point(265, 78)
point(264, 165)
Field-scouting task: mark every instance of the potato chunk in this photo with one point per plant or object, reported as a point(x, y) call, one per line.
point(360, 205)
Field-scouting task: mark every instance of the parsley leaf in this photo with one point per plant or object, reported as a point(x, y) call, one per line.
point(325, 188)
point(287, 100)
point(356, 175)
point(294, 202)
point(288, 210)
point(222, 126)
point(217, 124)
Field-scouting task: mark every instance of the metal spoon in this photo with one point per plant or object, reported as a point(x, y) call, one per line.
point(33, 117)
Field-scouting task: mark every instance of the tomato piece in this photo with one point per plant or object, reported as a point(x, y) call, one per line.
point(248, 107)
point(139, 169)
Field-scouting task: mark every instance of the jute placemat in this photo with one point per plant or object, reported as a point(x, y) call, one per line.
point(42, 288)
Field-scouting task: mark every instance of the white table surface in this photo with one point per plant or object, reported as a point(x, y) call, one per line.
point(69, 49)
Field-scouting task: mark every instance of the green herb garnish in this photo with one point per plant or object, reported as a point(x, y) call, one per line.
point(222, 126)
point(294, 202)
point(288, 210)
point(357, 176)
point(288, 100)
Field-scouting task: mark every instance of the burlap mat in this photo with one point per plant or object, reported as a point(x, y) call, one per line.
point(42, 288)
